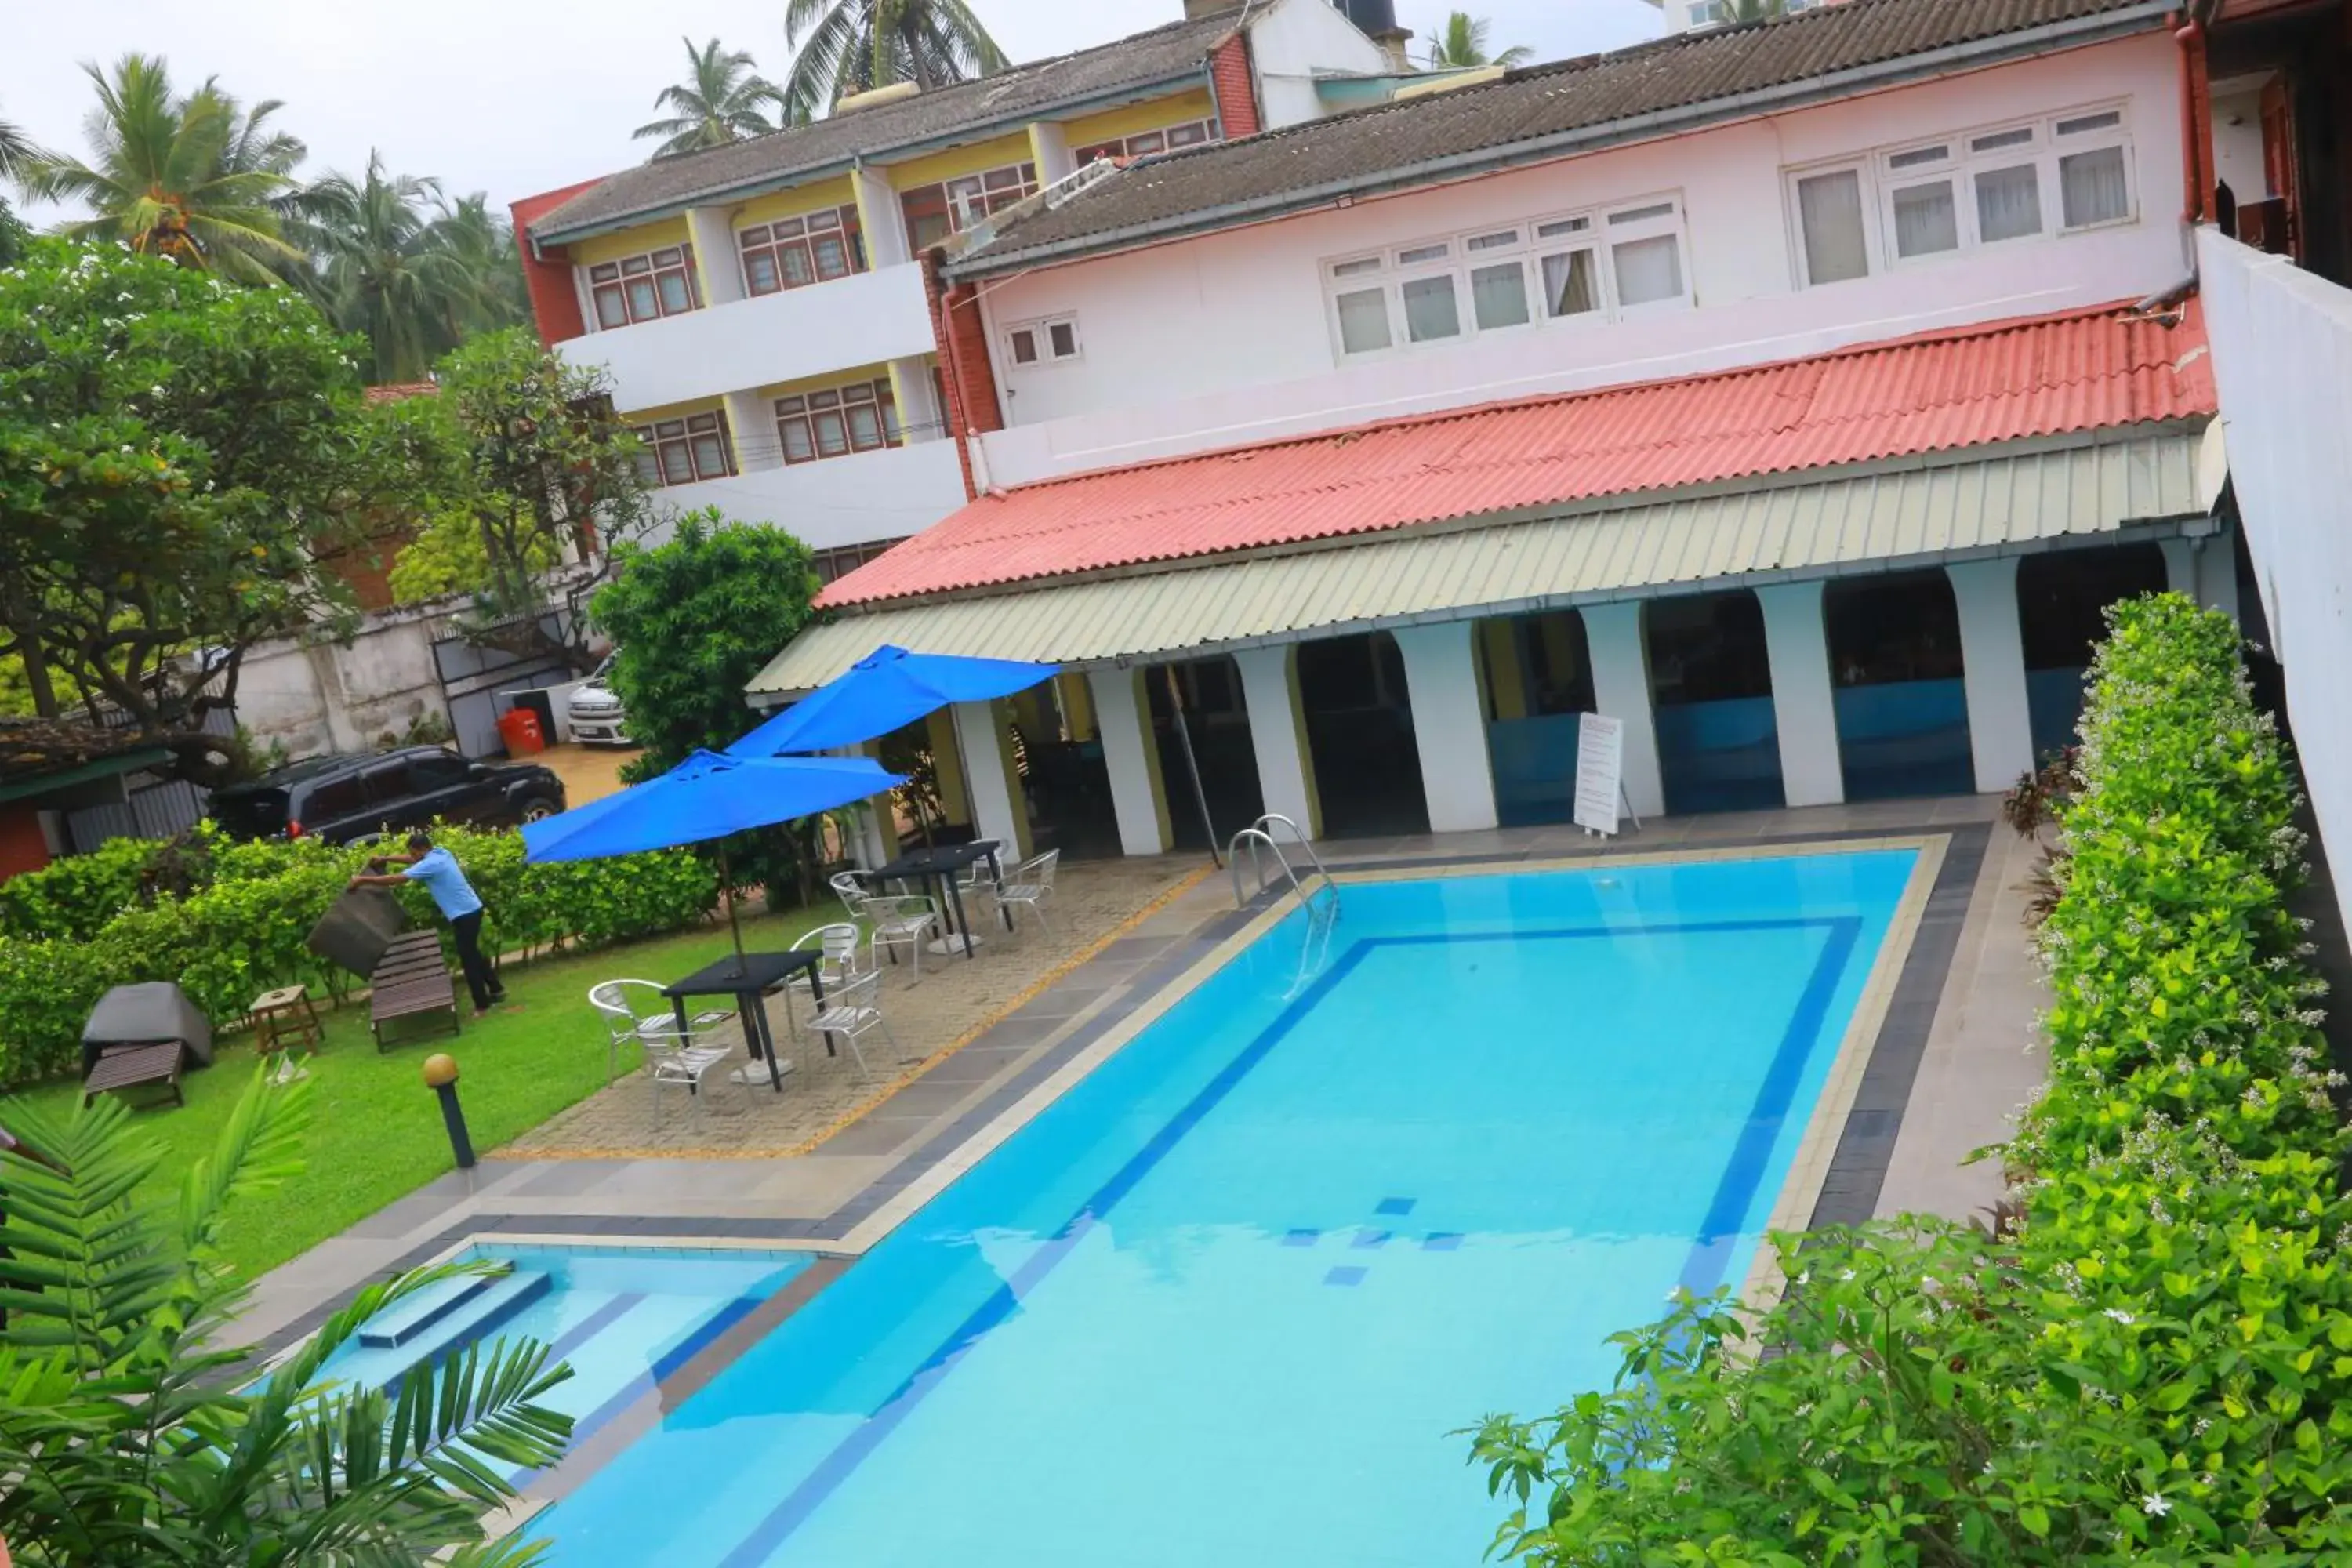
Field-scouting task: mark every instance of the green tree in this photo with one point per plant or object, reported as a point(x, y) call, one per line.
point(129, 1439)
point(483, 245)
point(172, 456)
point(1461, 45)
point(400, 267)
point(526, 480)
point(193, 178)
point(1744, 11)
point(722, 100)
point(851, 46)
point(17, 154)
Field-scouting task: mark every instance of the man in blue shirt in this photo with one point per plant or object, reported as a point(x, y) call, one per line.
point(441, 876)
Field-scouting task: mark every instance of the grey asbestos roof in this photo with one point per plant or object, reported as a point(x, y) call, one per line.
point(941, 115)
point(1547, 111)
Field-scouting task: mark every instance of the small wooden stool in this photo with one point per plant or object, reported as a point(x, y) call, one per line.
point(285, 1018)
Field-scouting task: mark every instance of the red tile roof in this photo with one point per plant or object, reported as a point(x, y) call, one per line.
point(2000, 381)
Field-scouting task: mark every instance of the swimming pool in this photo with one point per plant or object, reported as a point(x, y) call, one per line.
point(624, 1318)
point(1226, 1298)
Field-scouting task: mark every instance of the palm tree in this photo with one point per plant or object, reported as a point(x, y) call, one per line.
point(1461, 44)
point(483, 246)
point(16, 152)
point(721, 101)
point(132, 1437)
point(381, 273)
point(851, 46)
point(193, 178)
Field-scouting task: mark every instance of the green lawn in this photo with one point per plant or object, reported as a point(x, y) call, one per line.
point(375, 1130)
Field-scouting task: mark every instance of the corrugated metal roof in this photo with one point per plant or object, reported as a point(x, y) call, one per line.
point(2044, 376)
point(1872, 521)
point(1654, 89)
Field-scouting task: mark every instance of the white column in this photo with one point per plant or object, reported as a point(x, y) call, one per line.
point(1993, 654)
point(1138, 799)
point(1449, 725)
point(920, 417)
point(1803, 711)
point(881, 219)
point(997, 808)
point(1620, 689)
point(1051, 150)
point(2203, 569)
point(754, 433)
point(714, 255)
point(1285, 772)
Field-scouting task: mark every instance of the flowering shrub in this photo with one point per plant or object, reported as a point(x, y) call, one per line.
point(2154, 1362)
point(241, 931)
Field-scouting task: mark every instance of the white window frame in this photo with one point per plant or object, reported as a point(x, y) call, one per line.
point(1393, 270)
point(1040, 330)
point(1881, 179)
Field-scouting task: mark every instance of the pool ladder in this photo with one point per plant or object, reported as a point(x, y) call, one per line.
point(1320, 917)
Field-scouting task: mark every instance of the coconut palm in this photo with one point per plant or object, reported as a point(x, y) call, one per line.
point(722, 100)
point(16, 151)
point(130, 1435)
point(193, 178)
point(484, 247)
point(851, 46)
point(1461, 44)
point(381, 272)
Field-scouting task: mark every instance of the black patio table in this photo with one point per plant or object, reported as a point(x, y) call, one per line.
point(940, 864)
point(747, 980)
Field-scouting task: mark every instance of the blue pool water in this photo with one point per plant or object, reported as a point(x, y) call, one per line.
point(621, 1318)
point(1226, 1300)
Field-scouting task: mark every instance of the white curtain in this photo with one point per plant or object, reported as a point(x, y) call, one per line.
point(1647, 269)
point(1429, 311)
point(1498, 296)
point(1828, 206)
point(1568, 283)
point(1363, 321)
point(2093, 188)
point(1924, 222)
point(2008, 203)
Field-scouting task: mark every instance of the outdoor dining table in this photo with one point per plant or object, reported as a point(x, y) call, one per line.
point(747, 980)
point(940, 864)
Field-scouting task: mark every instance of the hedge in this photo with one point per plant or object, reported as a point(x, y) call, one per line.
point(239, 929)
point(2152, 1360)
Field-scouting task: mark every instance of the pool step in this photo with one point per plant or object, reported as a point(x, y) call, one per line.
point(421, 1309)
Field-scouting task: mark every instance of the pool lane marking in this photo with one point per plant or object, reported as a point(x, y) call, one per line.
point(844, 1458)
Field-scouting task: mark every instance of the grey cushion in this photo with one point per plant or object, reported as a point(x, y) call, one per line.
point(145, 1015)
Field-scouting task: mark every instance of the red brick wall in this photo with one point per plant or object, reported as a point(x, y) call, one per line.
point(975, 373)
point(1235, 92)
point(22, 848)
point(553, 301)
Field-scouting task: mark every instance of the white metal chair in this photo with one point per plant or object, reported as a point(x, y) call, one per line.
point(853, 1006)
point(892, 920)
point(671, 1056)
point(1031, 883)
point(836, 965)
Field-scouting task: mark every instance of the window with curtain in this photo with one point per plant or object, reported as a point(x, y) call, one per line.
point(1428, 309)
point(861, 416)
point(1647, 271)
point(2008, 203)
point(1926, 219)
point(793, 252)
point(681, 451)
point(644, 287)
point(1830, 222)
point(2093, 187)
point(1498, 295)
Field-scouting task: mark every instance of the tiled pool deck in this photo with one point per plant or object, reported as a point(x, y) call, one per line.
point(1954, 1055)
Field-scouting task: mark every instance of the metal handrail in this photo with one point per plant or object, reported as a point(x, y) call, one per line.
point(1257, 833)
point(1266, 823)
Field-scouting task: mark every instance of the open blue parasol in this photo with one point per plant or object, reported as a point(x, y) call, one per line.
point(888, 689)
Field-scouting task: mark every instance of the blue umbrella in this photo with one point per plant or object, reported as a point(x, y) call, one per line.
point(885, 690)
point(707, 795)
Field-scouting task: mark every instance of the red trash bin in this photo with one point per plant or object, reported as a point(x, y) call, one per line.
point(519, 726)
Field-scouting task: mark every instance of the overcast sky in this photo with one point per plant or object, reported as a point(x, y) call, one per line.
point(520, 96)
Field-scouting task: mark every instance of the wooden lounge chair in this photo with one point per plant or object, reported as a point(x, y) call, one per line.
point(411, 980)
point(127, 1066)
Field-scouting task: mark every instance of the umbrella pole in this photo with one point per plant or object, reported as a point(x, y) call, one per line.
point(1192, 764)
point(726, 886)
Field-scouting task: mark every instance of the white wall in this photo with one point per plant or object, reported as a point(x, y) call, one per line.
point(2282, 356)
point(856, 499)
point(1223, 339)
point(320, 697)
point(2238, 139)
point(1296, 41)
point(861, 320)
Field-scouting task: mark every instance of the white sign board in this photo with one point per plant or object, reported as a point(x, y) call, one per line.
point(1600, 771)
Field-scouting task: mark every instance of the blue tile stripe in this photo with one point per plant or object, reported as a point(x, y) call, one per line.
point(1780, 1081)
point(726, 1316)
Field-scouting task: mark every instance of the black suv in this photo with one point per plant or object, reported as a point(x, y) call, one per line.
point(343, 798)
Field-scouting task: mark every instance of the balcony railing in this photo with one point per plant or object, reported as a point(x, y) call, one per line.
point(855, 500)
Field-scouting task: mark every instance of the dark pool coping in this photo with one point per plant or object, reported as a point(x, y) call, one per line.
point(1849, 1191)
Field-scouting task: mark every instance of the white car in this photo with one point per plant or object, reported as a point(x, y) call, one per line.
point(594, 711)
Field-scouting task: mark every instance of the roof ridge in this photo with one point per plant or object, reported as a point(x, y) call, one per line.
point(1534, 400)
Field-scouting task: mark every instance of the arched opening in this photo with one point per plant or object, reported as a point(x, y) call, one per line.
point(1063, 772)
point(1539, 680)
point(2062, 599)
point(1359, 716)
point(1895, 668)
point(1217, 718)
point(1711, 687)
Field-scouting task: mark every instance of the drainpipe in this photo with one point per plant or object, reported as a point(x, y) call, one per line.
point(943, 330)
point(2196, 115)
